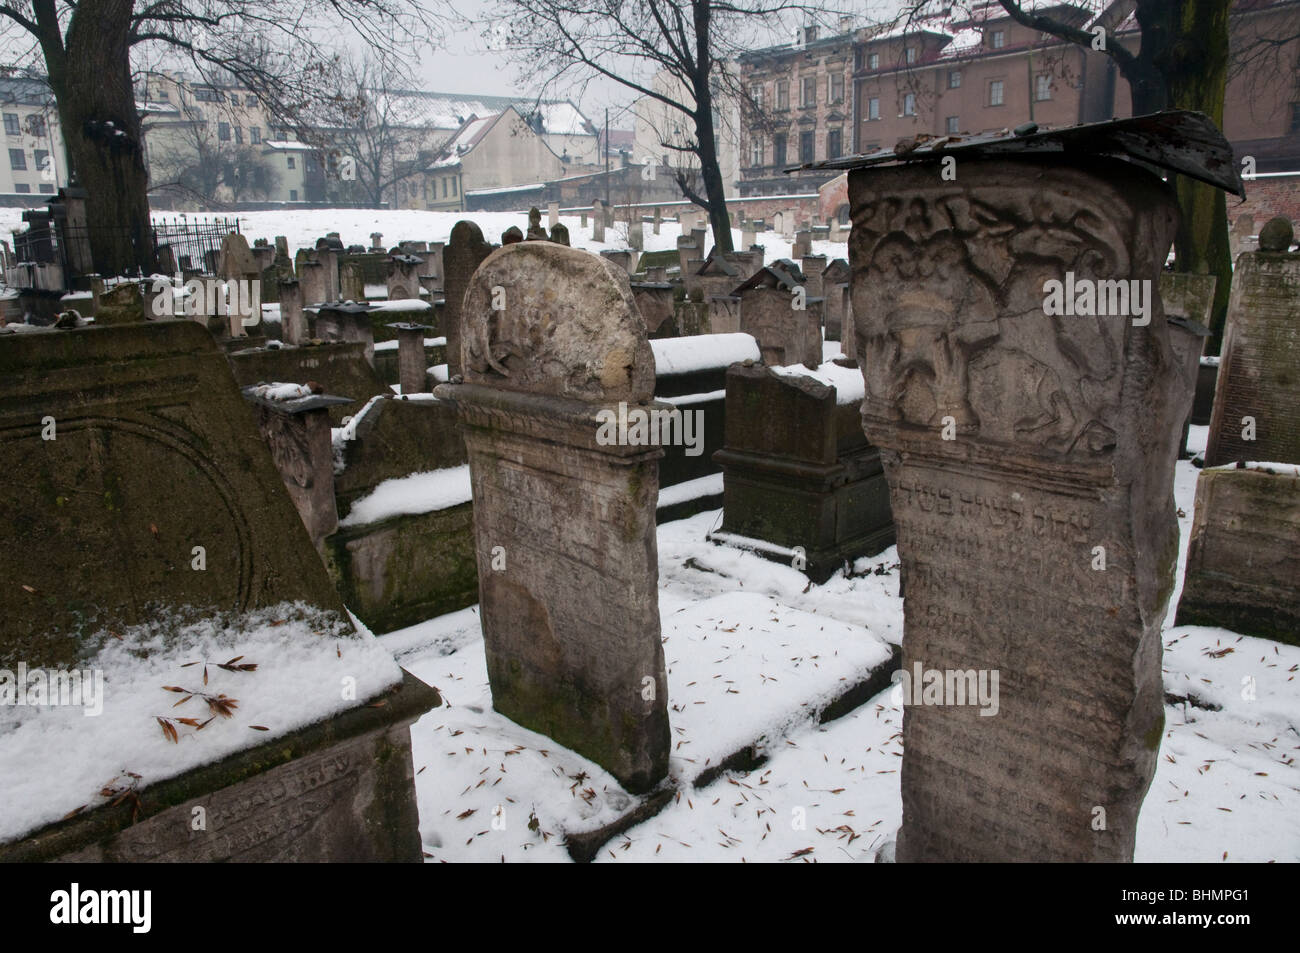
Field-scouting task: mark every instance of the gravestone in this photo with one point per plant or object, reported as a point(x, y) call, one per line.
point(433, 265)
point(1257, 397)
point(564, 519)
point(340, 321)
point(535, 231)
point(775, 309)
point(552, 214)
point(1188, 301)
point(621, 257)
point(238, 264)
point(560, 234)
point(412, 367)
point(835, 283)
point(352, 281)
point(597, 221)
point(403, 277)
point(747, 234)
point(802, 245)
point(1240, 237)
point(1243, 559)
point(466, 250)
point(636, 235)
point(328, 250)
point(151, 432)
point(376, 241)
point(512, 235)
point(297, 432)
point(1063, 436)
point(293, 323)
point(311, 280)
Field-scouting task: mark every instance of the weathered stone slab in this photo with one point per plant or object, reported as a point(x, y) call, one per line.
point(1244, 556)
point(466, 250)
point(1257, 396)
point(776, 309)
point(154, 452)
point(1064, 434)
point(564, 519)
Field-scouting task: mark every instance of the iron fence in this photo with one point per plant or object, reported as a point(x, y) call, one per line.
point(190, 241)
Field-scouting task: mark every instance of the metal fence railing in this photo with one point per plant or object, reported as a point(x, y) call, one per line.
point(192, 241)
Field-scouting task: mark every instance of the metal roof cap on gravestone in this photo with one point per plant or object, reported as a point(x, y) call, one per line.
point(1176, 140)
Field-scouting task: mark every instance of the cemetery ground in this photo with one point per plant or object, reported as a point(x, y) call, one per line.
point(754, 652)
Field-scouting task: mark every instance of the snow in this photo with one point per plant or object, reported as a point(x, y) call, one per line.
point(686, 400)
point(279, 391)
point(1280, 469)
point(507, 188)
point(710, 485)
point(412, 494)
point(690, 354)
point(428, 342)
point(301, 655)
point(400, 304)
point(1226, 780)
point(847, 381)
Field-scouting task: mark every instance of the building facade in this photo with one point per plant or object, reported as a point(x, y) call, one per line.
point(33, 162)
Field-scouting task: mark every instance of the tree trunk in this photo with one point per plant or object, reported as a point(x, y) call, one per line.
point(1195, 67)
point(91, 80)
point(710, 173)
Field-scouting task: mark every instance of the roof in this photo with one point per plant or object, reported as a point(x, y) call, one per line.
point(508, 188)
point(782, 273)
point(285, 145)
point(1177, 140)
point(25, 91)
point(416, 108)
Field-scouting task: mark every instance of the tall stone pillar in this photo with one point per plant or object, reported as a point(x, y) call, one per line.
point(466, 250)
point(564, 504)
point(1030, 457)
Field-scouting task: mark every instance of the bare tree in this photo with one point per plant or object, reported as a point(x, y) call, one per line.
point(204, 167)
point(689, 41)
point(369, 128)
point(1181, 62)
point(267, 45)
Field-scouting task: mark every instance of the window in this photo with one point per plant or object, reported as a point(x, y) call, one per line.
point(293, 193)
point(255, 134)
point(223, 131)
point(444, 188)
point(1295, 117)
point(909, 104)
point(808, 91)
point(995, 93)
point(455, 185)
point(1042, 87)
point(783, 94)
point(954, 79)
point(292, 165)
point(163, 95)
point(873, 61)
point(36, 124)
point(997, 39)
point(755, 151)
point(952, 127)
point(22, 188)
point(778, 149)
point(807, 147)
point(11, 124)
point(909, 55)
point(239, 135)
point(835, 88)
point(834, 147)
point(46, 188)
point(873, 108)
point(17, 160)
point(250, 100)
point(41, 156)
point(205, 95)
point(756, 94)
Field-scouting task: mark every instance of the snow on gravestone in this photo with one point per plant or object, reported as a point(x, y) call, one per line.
point(1064, 431)
point(1256, 412)
point(564, 520)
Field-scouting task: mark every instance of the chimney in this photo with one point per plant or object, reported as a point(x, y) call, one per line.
point(809, 33)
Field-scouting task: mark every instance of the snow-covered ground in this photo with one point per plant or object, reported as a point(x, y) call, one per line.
point(753, 651)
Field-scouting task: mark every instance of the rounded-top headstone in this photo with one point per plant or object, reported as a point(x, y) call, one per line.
point(1276, 235)
point(549, 319)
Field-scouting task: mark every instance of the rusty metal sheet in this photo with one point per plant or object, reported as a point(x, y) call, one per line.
point(1176, 140)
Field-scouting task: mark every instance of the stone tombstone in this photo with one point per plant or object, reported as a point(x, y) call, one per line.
point(848, 334)
point(297, 432)
point(1239, 236)
point(747, 234)
point(812, 267)
point(466, 250)
point(559, 234)
point(802, 245)
point(293, 323)
point(512, 235)
point(155, 453)
point(835, 282)
point(352, 281)
point(1188, 300)
point(237, 263)
point(620, 257)
point(770, 311)
point(1243, 559)
point(412, 365)
point(535, 231)
point(597, 221)
point(1257, 396)
point(636, 235)
point(341, 321)
point(788, 224)
point(328, 250)
point(311, 279)
point(376, 241)
point(552, 214)
point(433, 263)
point(1064, 431)
point(571, 618)
point(582, 219)
point(403, 277)
point(124, 304)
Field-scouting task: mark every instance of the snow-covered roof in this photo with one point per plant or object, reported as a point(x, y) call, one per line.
point(414, 108)
point(287, 145)
point(508, 188)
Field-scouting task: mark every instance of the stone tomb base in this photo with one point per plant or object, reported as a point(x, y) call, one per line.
point(339, 790)
point(1243, 563)
point(798, 471)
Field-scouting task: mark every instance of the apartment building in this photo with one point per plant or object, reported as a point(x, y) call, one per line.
point(33, 162)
